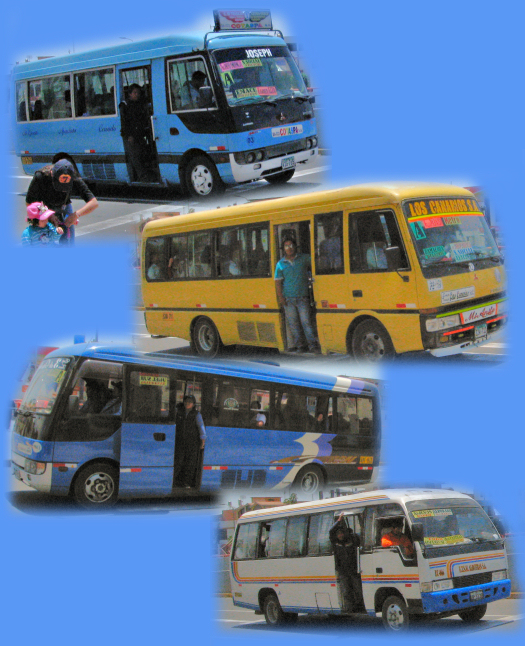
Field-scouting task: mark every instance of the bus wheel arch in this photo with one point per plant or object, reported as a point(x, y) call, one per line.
point(367, 338)
point(198, 175)
point(310, 479)
point(273, 613)
point(100, 492)
point(205, 337)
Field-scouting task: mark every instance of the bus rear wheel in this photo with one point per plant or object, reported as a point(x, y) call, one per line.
point(309, 480)
point(273, 613)
point(96, 486)
point(473, 614)
point(280, 178)
point(395, 614)
point(201, 178)
point(371, 342)
point(205, 339)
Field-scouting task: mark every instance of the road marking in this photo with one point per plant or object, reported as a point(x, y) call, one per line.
point(236, 621)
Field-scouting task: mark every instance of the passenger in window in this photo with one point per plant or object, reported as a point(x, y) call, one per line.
point(154, 270)
point(376, 256)
point(345, 545)
point(396, 537)
point(291, 286)
point(97, 396)
point(190, 93)
point(330, 253)
point(135, 126)
point(190, 437)
point(234, 267)
point(259, 419)
point(114, 405)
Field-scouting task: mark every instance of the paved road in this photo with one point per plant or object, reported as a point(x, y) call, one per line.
point(502, 616)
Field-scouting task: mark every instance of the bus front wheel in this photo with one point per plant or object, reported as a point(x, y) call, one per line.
point(273, 613)
point(97, 486)
point(473, 614)
point(371, 342)
point(280, 178)
point(206, 340)
point(309, 480)
point(395, 613)
point(201, 178)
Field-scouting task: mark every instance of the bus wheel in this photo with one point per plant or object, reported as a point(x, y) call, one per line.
point(206, 339)
point(395, 613)
point(97, 486)
point(309, 480)
point(202, 178)
point(273, 613)
point(280, 178)
point(371, 341)
point(473, 614)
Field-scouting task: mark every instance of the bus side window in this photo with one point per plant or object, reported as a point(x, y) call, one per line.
point(329, 243)
point(355, 420)
point(259, 408)
point(319, 534)
point(291, 412)
point(231, 404)
point(296, 536)
point(276, 538)
point(245, 543)
point(148, 397)
point(155, 260)
point(370, 234)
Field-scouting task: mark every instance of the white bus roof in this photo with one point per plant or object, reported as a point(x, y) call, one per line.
point(380, 496)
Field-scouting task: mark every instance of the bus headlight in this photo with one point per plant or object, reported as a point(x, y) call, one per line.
point(259, 155)
point(35, 468)
point(499, 575)
point(250, 157)
point(437, 586)
point(314, 141)
point(436, 325)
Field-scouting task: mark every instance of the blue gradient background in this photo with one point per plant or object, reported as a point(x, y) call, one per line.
point(410, 90)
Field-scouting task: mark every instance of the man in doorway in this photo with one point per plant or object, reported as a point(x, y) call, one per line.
point(135, 125)
point(345, 545)
point(291, 286)
point(396, 537)
point(190, 436)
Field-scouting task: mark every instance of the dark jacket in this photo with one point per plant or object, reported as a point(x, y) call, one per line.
point(345, 552)
point(41, 189)
point(134, 119)
point(187, 431)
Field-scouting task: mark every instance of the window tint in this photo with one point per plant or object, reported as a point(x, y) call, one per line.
point(245, 545)
point(231, 404)
point(190, 256)
point(156, 268)
point(95, 92)
point(296, 536)
point(149, 396)
point(95, 386)
point(297, 411)
point(50, 98)
point(370, 234)
point(318, 534)
point(329, 243)
point(276, 538)
point(190, 85)
point(243, 251)
point(354, 416)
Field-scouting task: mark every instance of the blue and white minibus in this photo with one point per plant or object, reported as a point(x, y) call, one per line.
point(267, 427)
point(225, 107)
point(451, 560)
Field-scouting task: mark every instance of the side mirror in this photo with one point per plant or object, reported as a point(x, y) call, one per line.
point(417, 532)
point(312, 99)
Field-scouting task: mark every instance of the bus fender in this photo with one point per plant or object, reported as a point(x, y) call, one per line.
point(382, 594)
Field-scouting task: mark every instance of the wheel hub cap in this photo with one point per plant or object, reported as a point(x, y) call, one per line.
point(395, 617)
point(99, 487)
point(202, 180)
point(373, 346)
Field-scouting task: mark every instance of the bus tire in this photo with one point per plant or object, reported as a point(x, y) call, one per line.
point(201, 178)
point(370, 341)
point(474, 614)
point(310, 479)
point(280, 178)
point(395, 613)
point(96, 486)
point(205, 338)
point(273, 613)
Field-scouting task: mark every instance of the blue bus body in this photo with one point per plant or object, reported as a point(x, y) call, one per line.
point(51, 445)
point(73, 104)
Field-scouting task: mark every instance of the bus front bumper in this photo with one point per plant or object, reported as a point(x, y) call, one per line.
point(467, 345)
point(459, 599)
point(250, 172)
point(40, 482)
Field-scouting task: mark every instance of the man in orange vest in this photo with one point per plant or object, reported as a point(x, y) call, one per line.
point(396, 537)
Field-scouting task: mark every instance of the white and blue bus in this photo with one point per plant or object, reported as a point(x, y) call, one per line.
point(251, 118)
point(267, 427)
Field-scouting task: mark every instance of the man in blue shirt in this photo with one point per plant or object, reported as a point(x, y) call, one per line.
point(291, 286)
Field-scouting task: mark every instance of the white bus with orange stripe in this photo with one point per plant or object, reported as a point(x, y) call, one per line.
point(395, 268)
point(282, 562)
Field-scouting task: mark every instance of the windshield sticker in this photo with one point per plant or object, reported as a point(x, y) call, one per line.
point(435, 284)
point(152, 380)
point(461, 250)
point(255, 91)
point(285, 131)
point(259, 53)
point(434, 252)
point(443, 540)
point(430, 513)
point(418, 230)
point(231, 404)
point(455, 295)
point(239, 65)
point(449, 221)
point(431, 223)
point(422, 208)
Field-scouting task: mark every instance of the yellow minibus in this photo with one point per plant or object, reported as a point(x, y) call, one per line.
point(395, 268)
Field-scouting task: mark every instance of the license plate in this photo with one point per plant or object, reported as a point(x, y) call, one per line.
point(288, 162)
point(27, 160)
point(476, 595)
point(480, 331)
point(17, 474)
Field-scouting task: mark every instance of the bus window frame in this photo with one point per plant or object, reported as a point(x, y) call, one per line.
point(173, 377)
point(318, 221)
point(39, 79)
point(211, 80)
point(115, 81)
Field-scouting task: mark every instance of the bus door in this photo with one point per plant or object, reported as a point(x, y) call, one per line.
point(148, 431)
point(137, 112)
point(300, 232)
point(379, 563)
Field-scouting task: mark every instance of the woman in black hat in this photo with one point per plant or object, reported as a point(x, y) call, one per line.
point(190, 436)
point(53, 186)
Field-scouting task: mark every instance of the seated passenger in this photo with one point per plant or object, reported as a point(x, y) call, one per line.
point(396, 537)
point(259, 419)
point(114, 405)
point(376, 257)
point(154, 271)
point(97, 396)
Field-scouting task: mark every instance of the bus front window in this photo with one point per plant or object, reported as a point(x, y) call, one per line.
point(251, 75)
point(40, 398)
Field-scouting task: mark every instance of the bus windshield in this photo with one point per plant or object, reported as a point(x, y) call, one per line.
point(448, 236)
point(259, 74)
point(447, 522)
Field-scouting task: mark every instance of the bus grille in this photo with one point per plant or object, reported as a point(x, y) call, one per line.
point(472, 579)
point(98, 170)
point(267, 332)
point(247, 331)
point(286, 148)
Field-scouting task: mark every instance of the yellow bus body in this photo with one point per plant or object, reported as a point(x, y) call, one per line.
point(245, 310)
